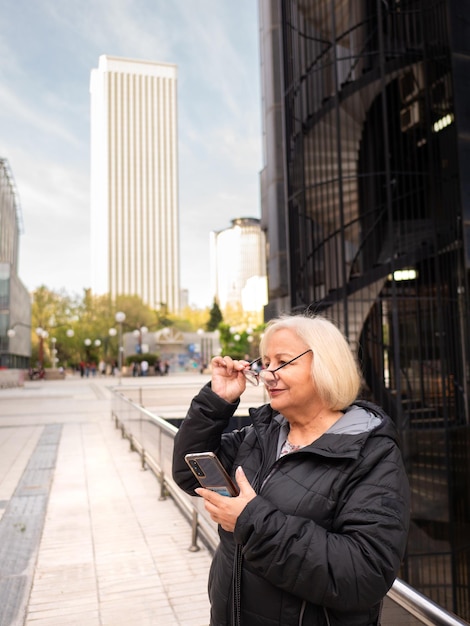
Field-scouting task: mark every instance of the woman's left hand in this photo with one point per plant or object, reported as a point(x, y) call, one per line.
point(225, 510)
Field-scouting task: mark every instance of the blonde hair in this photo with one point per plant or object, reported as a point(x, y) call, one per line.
point(335, 371)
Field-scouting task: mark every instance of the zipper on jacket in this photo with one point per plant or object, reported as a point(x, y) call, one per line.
point(236, 586)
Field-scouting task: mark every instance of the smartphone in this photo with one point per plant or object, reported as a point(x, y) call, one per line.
point(211, 474)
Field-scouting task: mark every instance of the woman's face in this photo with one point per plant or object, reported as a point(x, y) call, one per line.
point(294, 391)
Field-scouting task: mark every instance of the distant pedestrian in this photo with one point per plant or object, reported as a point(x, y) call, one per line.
point(144, 368)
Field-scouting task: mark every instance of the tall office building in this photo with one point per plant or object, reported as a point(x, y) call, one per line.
point(366, 205)
point(238, 265)
point(134, 181)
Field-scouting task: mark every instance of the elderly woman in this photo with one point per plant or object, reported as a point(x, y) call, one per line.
point(317, 533)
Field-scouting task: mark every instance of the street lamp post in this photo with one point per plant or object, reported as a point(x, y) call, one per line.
point(54, 352)
point(87, 343)
point(139, 333)
point(42, 334)
point(120, 317)
point(11, 333)
point(90, 357)
point(112, 332)
point(200, 348)
point(86, 370)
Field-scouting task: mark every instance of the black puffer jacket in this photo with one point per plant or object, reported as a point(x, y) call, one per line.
point(322, 542)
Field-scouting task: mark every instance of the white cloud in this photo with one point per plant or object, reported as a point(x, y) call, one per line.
point(23, 112)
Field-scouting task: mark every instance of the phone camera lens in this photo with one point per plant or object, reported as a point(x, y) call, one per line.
point(196, 468)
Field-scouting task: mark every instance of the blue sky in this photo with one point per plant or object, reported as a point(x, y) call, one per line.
point(48, 50)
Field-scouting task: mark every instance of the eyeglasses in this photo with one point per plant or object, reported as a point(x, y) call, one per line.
point(268, 377)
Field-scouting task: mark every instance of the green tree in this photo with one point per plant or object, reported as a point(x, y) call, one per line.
point(137, 313)
point(234, 343)
point(215, 317)
point(53, 313)
point(99, 316)
point(191, 319)
point(241, 344)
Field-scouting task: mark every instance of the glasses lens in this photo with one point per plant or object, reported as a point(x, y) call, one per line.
point(252, 377)
point(268, 377)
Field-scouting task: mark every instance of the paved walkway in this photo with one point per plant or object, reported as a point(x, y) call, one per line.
point(84, 539)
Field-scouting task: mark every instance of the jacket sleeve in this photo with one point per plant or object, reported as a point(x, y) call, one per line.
point(201, 431)
point(351, 566)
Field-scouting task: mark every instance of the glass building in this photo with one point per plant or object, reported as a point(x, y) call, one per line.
point(15, 302)
point(366, 206)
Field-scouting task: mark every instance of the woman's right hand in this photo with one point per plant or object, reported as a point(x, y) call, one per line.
point(228, 380)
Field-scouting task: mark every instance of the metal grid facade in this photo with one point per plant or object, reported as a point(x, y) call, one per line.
point(376, 210)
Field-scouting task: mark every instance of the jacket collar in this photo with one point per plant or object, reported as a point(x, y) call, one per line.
point(364, 420)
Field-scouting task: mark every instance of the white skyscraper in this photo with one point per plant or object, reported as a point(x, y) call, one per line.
point(238, 265)
point(134, 181)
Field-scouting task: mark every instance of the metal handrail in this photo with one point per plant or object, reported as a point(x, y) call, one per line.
point(130, 417)
point(422, 607)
